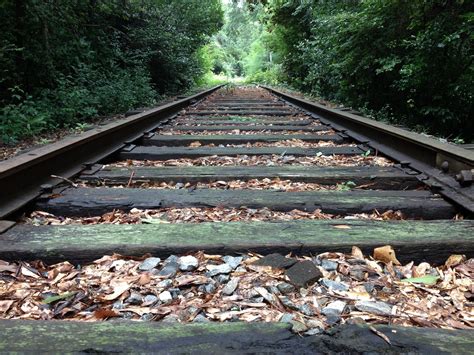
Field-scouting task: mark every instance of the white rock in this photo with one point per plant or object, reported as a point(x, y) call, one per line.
point(188, 263)
point(165, 297)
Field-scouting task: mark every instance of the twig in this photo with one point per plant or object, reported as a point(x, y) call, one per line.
point(72, 183)
point(131, 178)
point(380, 334)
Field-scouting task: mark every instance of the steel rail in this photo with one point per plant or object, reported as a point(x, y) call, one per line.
point(445, 168)
point(21, 177)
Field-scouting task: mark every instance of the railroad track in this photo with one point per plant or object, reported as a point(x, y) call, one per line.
point(280, 174)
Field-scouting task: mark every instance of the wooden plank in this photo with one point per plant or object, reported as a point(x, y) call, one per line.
point(378, 177)
point(244, 121)
point(431, 241)
point(121, 336)
point(184, 140)
point(97, 201)
point(252, 128)
point(163, 153)
point(247, 112)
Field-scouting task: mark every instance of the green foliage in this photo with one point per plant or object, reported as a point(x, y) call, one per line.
point(62, 62)
point(411, 62)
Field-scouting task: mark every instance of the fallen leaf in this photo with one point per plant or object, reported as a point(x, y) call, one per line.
point(386, 254)
point(144, 279)
point(5, 305)
point(427, 280)
point(103, 313)
point(58, 297)
point(357, 253)
point(454, 260)
point(119, 288)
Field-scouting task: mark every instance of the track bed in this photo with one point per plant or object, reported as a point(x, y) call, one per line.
point(241, 208)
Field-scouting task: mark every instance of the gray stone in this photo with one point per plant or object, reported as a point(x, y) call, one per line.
point(273, 289)
point(188, 263)
point(150, 299)
point(149, 263)
point(241, 269)
point(286, 318)
point(306, 310)
point(276, 261)
point(169, 270)
point(209, 288)
point(288, 303)
point(303, 273)
point(165, 297)
point(134, 298)
point(171, 318)
point(165, 283)
point(334, 308)
point(329, 265)
point(200, 319)
point(313, 331)
point(374, 307)
point(175, 292)
point(334, 285)
point(369, 287)
point(218, 269)
point(286, 288)
point(231, 286)
point(357, 274)
point(118, 305)
point(233, 261)
point(332, 319)
point(222, 278)
point(147, 317)
point(171, 259)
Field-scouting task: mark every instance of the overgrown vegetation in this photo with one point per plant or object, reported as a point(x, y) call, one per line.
point(62, 62)
point(409, 62)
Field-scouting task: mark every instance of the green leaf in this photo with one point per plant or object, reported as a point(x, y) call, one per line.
point(58, 297)
point(427, 280)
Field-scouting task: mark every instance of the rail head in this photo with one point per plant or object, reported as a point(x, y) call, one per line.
point(445, 167)
point(22, 176)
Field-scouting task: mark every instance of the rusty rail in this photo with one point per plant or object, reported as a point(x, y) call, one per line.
point(21, 177)
point(446, 168)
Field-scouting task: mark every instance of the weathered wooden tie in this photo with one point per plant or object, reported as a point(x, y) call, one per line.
point(185, 140)
point(431, 241)
point(246, 112)
point(164, 153)
point(251, 121)
point(370, 176)
point(97, 201)
point(252, 128)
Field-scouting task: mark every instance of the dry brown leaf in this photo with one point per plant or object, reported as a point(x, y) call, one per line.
point(455, 260)
point(119, 288)
point(8, 268)
point(357, 253)
point(386, 254)
point(27, 272)
point(144, 279)
point(103, 313)
point(5, 305)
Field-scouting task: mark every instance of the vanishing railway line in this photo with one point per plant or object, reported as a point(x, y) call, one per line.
point(279, 173)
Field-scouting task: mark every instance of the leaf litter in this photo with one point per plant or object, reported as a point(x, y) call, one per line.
point(261, 160)
point(293, 143)
point(200, 215)
point(349, 288)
